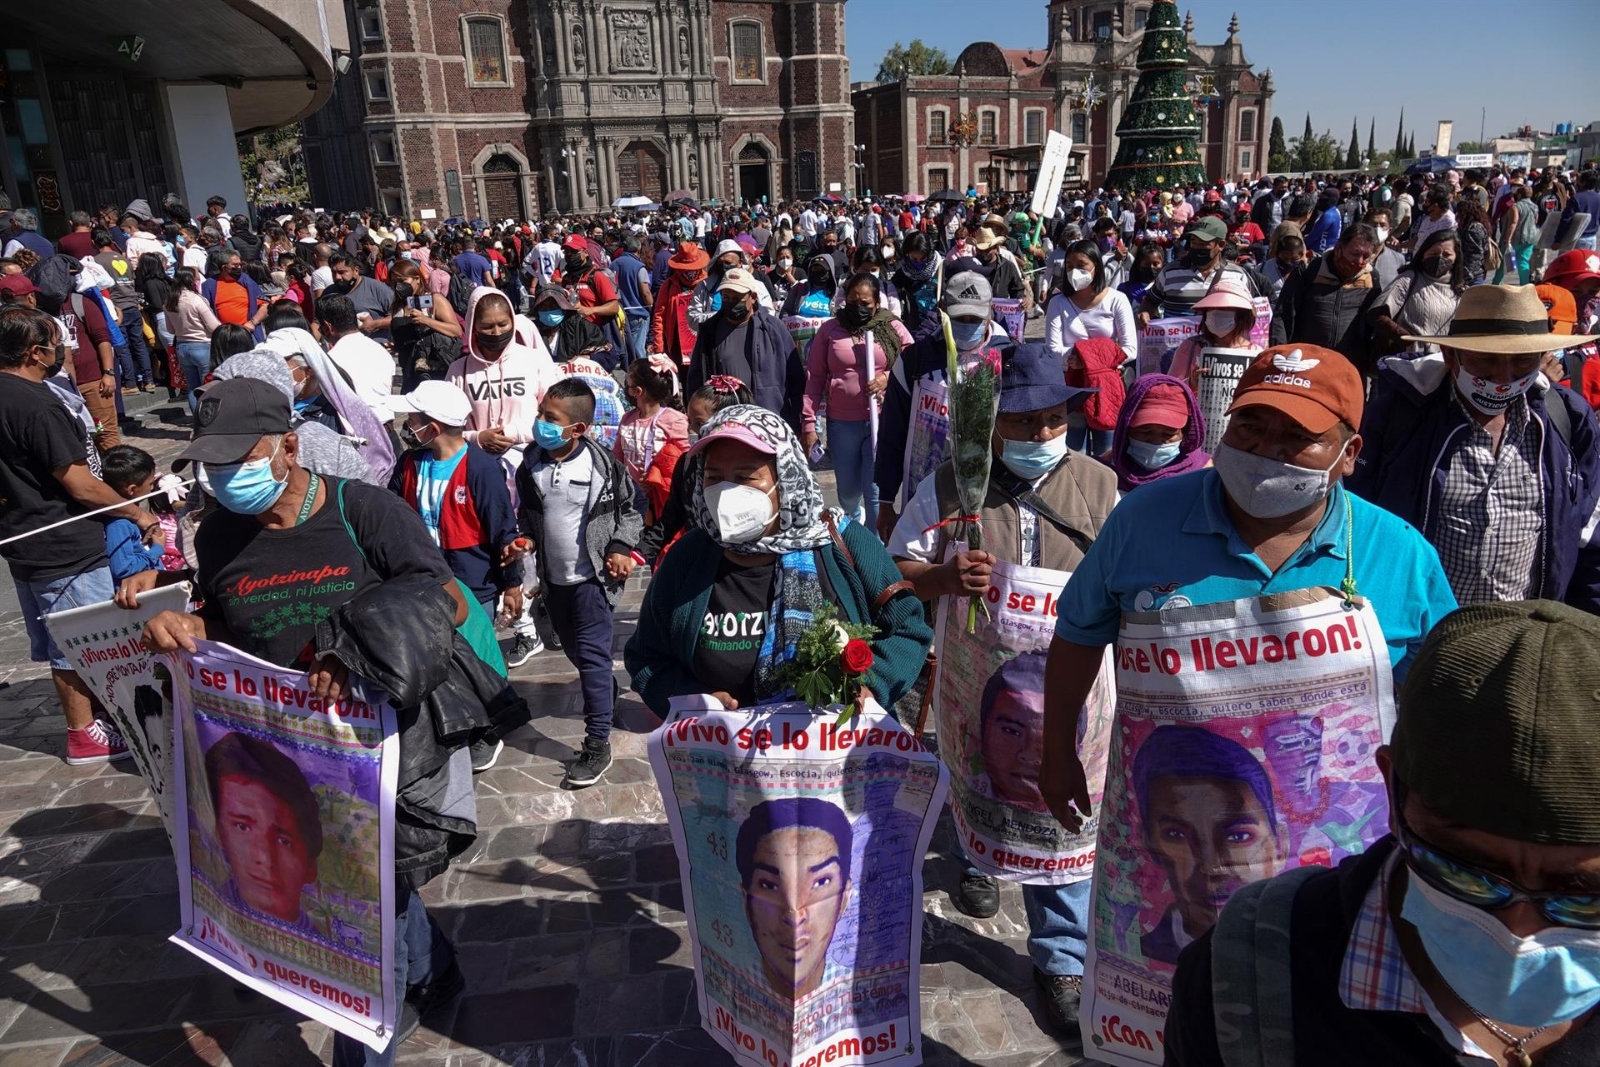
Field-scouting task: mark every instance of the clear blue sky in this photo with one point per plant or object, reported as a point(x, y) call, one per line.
point(1531, 62)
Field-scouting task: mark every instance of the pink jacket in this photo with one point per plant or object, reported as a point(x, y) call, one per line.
point(834, 365)
point(505, 392)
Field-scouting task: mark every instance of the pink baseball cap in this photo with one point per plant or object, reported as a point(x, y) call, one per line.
point(733, 430)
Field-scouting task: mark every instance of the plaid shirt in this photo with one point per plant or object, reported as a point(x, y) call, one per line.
point(1375, 977)
point(1491, 512)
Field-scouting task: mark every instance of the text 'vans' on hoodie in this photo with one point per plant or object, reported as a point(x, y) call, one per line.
point(505, 392)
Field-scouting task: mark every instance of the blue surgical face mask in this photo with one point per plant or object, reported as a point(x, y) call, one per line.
point(1550, 977)
point(553, 317)
point(548, 435)
point(243, 488)
point(968, 335)
point(1032, 460)
point(1153, 457)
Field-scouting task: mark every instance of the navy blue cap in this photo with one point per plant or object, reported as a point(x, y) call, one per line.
point(1031, 379)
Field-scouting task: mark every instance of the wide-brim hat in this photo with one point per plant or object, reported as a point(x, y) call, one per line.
point(987, 237)
point(689, 256)
point(1227, 293)
point(1506, 320)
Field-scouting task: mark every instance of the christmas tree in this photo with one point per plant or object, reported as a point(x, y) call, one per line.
point(1159, 135)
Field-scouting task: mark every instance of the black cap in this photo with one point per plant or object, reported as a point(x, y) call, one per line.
point(233, 415)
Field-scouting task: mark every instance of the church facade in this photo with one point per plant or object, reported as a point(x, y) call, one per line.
point(515, 108)
point(983, 124)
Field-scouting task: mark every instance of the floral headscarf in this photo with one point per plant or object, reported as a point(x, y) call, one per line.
point(800, 524)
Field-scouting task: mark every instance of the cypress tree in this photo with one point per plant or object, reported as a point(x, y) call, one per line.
point(1352, 156)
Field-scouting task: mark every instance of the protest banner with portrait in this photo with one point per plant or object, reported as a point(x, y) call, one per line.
point(1220, 371)
point(286, 859)
point(802, 328)
point(989, 707)
point(800, 842)
point(104, 644)
point(1242, 747)
point(927, 441)
point(1012, 318)
point(1159, 340)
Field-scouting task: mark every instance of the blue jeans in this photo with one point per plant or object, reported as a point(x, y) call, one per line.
point(1058, 926)
point(850, 442)
point(133, 360)
point(638, 335)
point(194, 360)
point(1079, 435)
point(1587, 243)
point(58, 594)
point(421, 954)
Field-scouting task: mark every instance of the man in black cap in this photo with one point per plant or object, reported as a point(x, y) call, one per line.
point(1470, 934)
point(1045, 506)
point(286, 550)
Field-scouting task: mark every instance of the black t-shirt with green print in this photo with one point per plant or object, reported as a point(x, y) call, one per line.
point(733, 629)
point(272, 587)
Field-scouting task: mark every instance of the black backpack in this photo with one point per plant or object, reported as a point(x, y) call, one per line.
point(459, 294)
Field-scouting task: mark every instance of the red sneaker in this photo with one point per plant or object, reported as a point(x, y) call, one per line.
point(95, 743)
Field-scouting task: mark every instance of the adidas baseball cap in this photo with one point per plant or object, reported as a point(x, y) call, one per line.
point(968, 293)
point(1316, 387)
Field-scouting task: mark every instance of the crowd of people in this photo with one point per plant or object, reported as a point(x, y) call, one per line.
point(513, 417)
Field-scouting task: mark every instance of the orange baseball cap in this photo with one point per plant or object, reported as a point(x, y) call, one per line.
point(1316, 387)
point(1561, 307)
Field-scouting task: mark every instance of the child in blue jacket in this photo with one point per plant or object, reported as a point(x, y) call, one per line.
point(132, 473)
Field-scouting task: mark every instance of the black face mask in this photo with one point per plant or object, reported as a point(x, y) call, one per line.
point(495, 344)
point(820, 279)
point(574, 263)
point(54, 369)
point(1196, 258)
point(854, 317)
point(737, 311)
point(234, 272)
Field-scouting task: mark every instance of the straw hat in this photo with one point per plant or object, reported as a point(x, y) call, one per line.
point(1502, 319)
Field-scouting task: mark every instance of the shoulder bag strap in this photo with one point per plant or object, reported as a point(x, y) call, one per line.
point(890, 592)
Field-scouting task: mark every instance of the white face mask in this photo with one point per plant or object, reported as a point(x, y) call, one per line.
point(1269, 488)
point(1078, 280)
point(1220, 323)
point(1491, 398)
point(742, 512)
point(1383, 234)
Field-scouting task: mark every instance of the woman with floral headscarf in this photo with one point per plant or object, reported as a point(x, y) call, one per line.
point(729, 603)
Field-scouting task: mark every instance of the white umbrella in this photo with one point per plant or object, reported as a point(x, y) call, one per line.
point(632, 201)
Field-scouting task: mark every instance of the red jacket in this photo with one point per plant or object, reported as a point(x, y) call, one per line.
point(1102, 369)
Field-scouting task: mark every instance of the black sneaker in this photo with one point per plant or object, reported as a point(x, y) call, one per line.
point(978, 896)
point(546, 628)
point(485, 751)
point(422, 1000)
point(523, 648)
point(1062, 995)
point(593, 760)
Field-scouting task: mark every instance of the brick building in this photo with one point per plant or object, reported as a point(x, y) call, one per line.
point(512, 108)
point(984, 123)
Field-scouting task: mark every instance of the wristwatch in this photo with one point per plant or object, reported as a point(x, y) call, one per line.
point(108, 374)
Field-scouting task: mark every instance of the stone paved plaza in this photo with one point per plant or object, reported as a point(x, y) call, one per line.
point(566, 913)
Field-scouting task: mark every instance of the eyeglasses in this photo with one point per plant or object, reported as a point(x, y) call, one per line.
point(1482, 889)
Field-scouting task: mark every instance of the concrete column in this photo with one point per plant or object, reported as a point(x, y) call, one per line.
point(203, 143)
point(610, 170)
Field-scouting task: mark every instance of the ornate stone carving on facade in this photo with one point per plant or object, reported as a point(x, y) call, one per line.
point(683, 47)
point(549, 39)
point(589, 182)
point(630, 38)
point(636, 92)
point(580, 52)
point(694, 170)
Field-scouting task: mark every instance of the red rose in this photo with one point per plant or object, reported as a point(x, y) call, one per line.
point(856, 657)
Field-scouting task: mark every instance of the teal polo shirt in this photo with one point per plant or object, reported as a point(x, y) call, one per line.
point(1140, 562)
